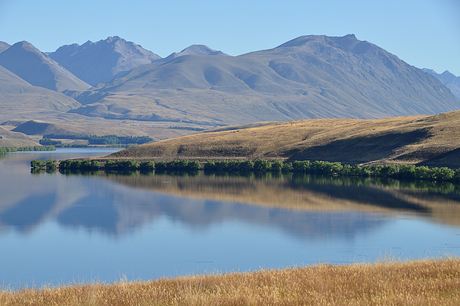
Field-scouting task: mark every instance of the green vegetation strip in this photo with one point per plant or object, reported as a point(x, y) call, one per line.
point(4, 150)
point(107, 140)
point(262, 165)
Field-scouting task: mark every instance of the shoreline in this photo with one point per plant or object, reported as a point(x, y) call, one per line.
point(417, 282)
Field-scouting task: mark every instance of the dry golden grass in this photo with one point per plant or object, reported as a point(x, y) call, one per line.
point(411, 139)
point(422, 282)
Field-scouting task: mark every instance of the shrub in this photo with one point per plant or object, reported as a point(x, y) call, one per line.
point(277, 166)
point(407, 171)
point(147, 166)
point(346, 170)
point(246, 166)
point(336, 168)
point(95, 165)
point(177, 165)
point(388, 171)
point(36, 163)
point(127, 165)
point(110, 165)
point(210, 166)
point(160, 166)
point(221, 166)
point(288, 167)
point(50, 164)
point(193, 166)
point(301, 165)
point(443, 173)
point(233, 166)
point(262, 165)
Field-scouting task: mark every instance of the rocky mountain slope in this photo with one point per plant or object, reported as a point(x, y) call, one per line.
point(451, 81)
point(29, 63)
point(308, 77)
point(3, 46)
point(199, 88)
point(102, 61)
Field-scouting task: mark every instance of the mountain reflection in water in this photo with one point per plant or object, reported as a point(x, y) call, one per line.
point(304, 206)
point(57, 228)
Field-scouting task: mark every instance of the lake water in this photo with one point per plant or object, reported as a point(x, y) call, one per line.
point(59, 229)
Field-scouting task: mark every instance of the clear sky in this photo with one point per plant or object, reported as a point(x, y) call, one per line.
point(424, 33)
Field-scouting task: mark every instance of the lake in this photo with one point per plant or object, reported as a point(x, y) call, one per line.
point(60, 229)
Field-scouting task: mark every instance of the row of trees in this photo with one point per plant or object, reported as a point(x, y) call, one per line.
point(42, 164)
point(97, 140)
point(4, 150)
point(336, 169)
point(130, 165)
point(262, 165)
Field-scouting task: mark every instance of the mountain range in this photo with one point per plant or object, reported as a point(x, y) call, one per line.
point(27, 62)
point(448, 79)
point(102, 61)
point(308, 77)
point(113, 80)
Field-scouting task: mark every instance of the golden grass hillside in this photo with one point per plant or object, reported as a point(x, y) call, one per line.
point(431, 140)
point(422, 282)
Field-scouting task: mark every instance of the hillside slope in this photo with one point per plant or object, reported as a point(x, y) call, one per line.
point(19, 99)
point(27, 62)
point(14, 139)
point(3, 46)
point(451, 81)
point(414, 139)
point(308, 77)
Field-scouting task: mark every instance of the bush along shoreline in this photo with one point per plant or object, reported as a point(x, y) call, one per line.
point(5, 150)
point(262, 165)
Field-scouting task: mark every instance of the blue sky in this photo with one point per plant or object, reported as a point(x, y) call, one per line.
point(424, 33)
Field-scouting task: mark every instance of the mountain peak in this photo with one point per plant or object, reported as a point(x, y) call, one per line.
point(448, 79)
point(102, 61)
point(201, 50)
point(113, 38)
point(38, 69)
point(338, 40)
point(194, 50)
point(446, 74)
point(3, 46)
point(25, 45)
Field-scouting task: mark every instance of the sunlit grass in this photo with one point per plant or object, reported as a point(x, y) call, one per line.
point(420, 282)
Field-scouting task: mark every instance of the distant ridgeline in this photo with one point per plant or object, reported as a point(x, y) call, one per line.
point(93, 140)
point(4, 150)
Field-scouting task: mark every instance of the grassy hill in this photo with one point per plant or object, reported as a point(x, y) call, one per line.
point(428, 140)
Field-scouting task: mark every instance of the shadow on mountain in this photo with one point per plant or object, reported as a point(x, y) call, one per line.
point(359, 149)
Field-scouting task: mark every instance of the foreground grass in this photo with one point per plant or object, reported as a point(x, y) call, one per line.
point(422, 282)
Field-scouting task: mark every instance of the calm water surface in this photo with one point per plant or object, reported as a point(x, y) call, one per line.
point(58, 229)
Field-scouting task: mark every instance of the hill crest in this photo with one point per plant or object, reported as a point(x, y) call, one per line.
point(429, 140)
